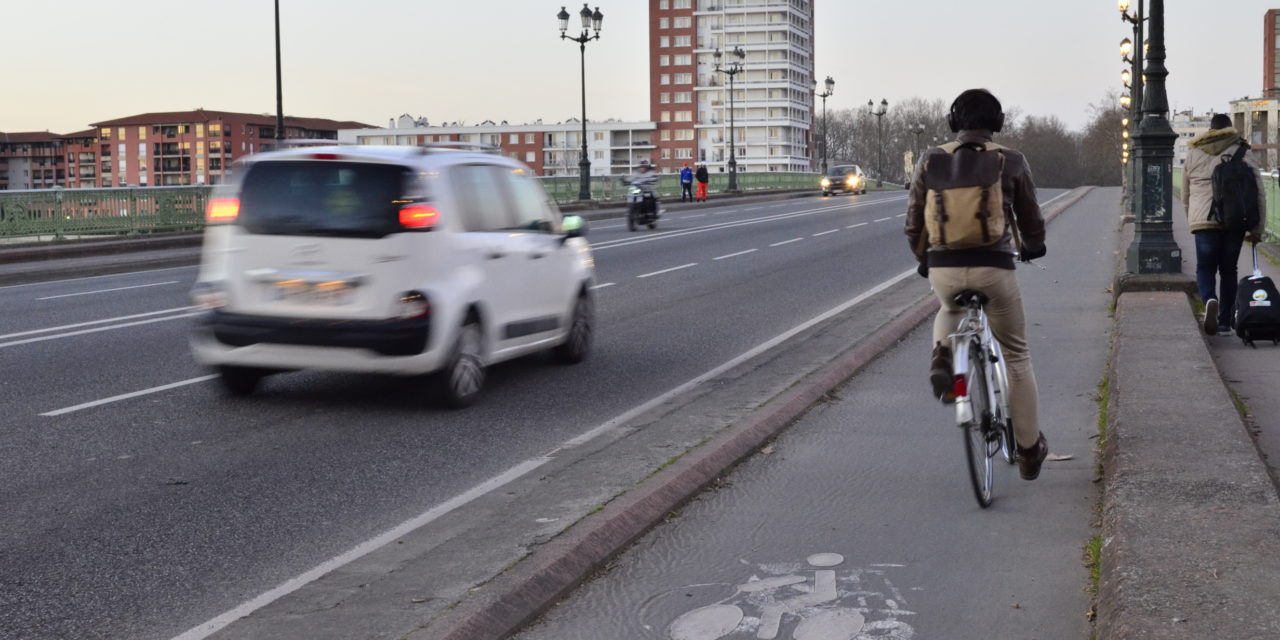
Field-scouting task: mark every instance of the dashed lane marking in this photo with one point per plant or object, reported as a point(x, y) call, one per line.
point(779, 244)
point(658, 273)
point(734, 255)
point(86, 293)
point(823, 233)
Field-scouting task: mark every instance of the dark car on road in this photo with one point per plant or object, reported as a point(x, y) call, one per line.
point(844, 178)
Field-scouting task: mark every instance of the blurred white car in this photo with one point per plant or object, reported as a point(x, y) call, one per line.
point(397, 260)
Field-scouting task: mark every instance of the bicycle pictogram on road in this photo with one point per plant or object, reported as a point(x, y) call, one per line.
point(815, 603)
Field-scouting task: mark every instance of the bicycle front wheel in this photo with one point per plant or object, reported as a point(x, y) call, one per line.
point(976, 443)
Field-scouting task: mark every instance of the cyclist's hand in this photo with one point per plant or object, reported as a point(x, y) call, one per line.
point(1032, 253)
point(922, 269)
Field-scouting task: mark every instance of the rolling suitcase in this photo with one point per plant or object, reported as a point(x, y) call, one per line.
point(1257, 314)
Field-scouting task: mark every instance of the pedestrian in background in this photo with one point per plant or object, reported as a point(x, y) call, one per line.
point(686, 183)
point(1217, 248)
point(703, 179)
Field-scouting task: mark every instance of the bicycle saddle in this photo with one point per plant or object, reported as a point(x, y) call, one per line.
point(969, 296)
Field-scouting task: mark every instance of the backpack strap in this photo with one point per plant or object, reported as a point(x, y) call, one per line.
point(1240, 151)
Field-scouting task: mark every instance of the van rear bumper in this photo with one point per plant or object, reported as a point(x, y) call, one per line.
point(383, 337)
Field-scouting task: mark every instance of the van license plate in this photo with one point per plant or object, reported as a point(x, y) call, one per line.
point(329, 294)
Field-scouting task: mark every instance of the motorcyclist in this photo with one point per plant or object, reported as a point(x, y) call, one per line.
point(646, 179)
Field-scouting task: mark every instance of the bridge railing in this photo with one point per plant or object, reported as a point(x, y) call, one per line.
point(63, 213)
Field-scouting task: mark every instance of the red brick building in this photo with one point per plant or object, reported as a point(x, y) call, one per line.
point(150, 149)
point(1270, 62)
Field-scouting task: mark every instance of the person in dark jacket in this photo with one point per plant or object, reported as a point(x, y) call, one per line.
point(975, 115)
point(686, 183)
point(703, 178)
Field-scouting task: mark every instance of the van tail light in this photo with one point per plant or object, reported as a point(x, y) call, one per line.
point(222, 210)
point(412, 304)
point(418, 216)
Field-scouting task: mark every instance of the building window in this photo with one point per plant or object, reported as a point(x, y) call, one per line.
point(199, 130)
point(664, 41)
point(664, 98)
point(663, 61)
point(665, 135)
point(683, 22)
point(663, 23)
point(664, 79)
point(684, 96)
point(684, 41)
point(529, 138)
point(106, 133)
point(684, 116)
point(530, 156)
point(684, 78)
point(142, 132)
point(665, 116)
point(215, 131)
point(663, 5)
point(684, 153)
point(120, 132)
point(598, 136)
point(514, 138)
point(666, 154)
point(684, 60)
point(682, 4)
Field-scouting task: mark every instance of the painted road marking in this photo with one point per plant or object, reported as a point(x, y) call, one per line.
point(734, 255)
point(107, 275)
point(779, 244)
point(696, 215)
point(89, 293)
point(883, 219)
point(855, 226)
point(901, 215)
point(823, 233)
point(92, 322)
point(601, 286)
point(14, 343)
point(212, 626)
point(126, 396)
point(658, 273)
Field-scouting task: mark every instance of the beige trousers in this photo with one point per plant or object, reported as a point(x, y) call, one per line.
point(1004, 312)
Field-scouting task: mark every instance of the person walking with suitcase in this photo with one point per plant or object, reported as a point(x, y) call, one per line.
point(1223, 197)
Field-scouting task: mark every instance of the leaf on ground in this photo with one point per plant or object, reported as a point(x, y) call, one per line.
point(1053, 457)
point(767, 450)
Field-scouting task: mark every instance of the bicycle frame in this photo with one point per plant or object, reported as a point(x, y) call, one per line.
point(975, 325)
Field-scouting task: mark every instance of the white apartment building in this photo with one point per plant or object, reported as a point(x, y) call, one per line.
point(549, 149)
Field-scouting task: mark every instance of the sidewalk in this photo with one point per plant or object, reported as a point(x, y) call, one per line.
point(39, 262)
point(1191, 519)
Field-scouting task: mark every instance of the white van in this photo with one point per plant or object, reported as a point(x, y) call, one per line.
point(398, 260)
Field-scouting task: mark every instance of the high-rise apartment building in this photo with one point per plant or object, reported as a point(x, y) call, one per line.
point(773, 97)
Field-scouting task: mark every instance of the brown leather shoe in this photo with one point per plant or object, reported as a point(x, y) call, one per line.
point(1029, 460)
point(940, 374)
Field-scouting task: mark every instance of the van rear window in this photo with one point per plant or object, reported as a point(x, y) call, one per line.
point(322, 198)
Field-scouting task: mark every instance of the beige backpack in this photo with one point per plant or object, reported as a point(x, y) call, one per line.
point(964, 207)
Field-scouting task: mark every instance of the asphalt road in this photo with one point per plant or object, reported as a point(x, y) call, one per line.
point(140, 501)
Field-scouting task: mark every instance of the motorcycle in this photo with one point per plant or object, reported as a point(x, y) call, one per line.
point(642, 206)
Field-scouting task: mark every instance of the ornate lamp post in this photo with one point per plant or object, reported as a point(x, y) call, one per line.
point(830, 89)
point(1153, 249)
point(279, 88)
point(1132, 51)
point(879, 114)
point(590, 22)
point(732, 69)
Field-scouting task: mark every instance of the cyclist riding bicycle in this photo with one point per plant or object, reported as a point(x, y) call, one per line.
point(954, 185)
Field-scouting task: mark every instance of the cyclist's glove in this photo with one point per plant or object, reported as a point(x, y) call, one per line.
point(923, 269)
point(1032, 253)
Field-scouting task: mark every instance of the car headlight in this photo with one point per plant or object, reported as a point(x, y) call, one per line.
point(826, 182)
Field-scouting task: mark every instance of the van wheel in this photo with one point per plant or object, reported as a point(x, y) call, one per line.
point(578, 343)
point(240, 381)
point(459, 382)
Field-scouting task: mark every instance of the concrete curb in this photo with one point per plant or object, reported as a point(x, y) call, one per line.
point(519, 595)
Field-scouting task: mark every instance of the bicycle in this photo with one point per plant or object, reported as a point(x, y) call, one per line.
point(981, 385)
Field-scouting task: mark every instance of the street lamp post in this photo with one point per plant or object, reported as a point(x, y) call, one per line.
point(732, 69)
point(830, 89)
point(879, 114)
point(590, 22)
point(1153, 250)
point(1133, 51)
point(919, 130)
point(279, 86)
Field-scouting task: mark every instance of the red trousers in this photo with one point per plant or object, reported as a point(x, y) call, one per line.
point(702, 191)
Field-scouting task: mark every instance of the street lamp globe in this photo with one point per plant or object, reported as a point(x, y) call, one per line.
point(586, 17)
point(563, 17)
point(830, 85)
point(597, 19)
point(1126, 77)
point(1126, 48)
point(1124, 6)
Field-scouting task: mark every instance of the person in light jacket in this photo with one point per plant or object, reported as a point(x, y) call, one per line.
point(1217, 249)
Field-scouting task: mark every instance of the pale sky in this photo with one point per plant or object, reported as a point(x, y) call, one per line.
point(73, 62)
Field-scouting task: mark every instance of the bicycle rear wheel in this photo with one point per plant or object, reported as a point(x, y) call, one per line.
point(976, 443)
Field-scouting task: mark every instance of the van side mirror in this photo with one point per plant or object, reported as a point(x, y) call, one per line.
point(574, 227)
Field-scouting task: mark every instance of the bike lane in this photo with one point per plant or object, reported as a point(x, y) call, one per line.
point(859, 522)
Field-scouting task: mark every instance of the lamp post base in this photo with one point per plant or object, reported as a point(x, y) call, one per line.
point(1153, 253)
point(584, 179)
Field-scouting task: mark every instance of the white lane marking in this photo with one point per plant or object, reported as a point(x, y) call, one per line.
point(696, 215)
point(87, 293)
point(734, 255)
point(612, 226)
point(901, 215)
point(883, 219)
point(823, 233)
point(105, 275)
point(601, 286)
point(93, 322)
point(855, 226)
point(15, 343)
point(779, 244)
point(658, 273)
point(652, 237)
point(126, 396)
point(212, 626)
